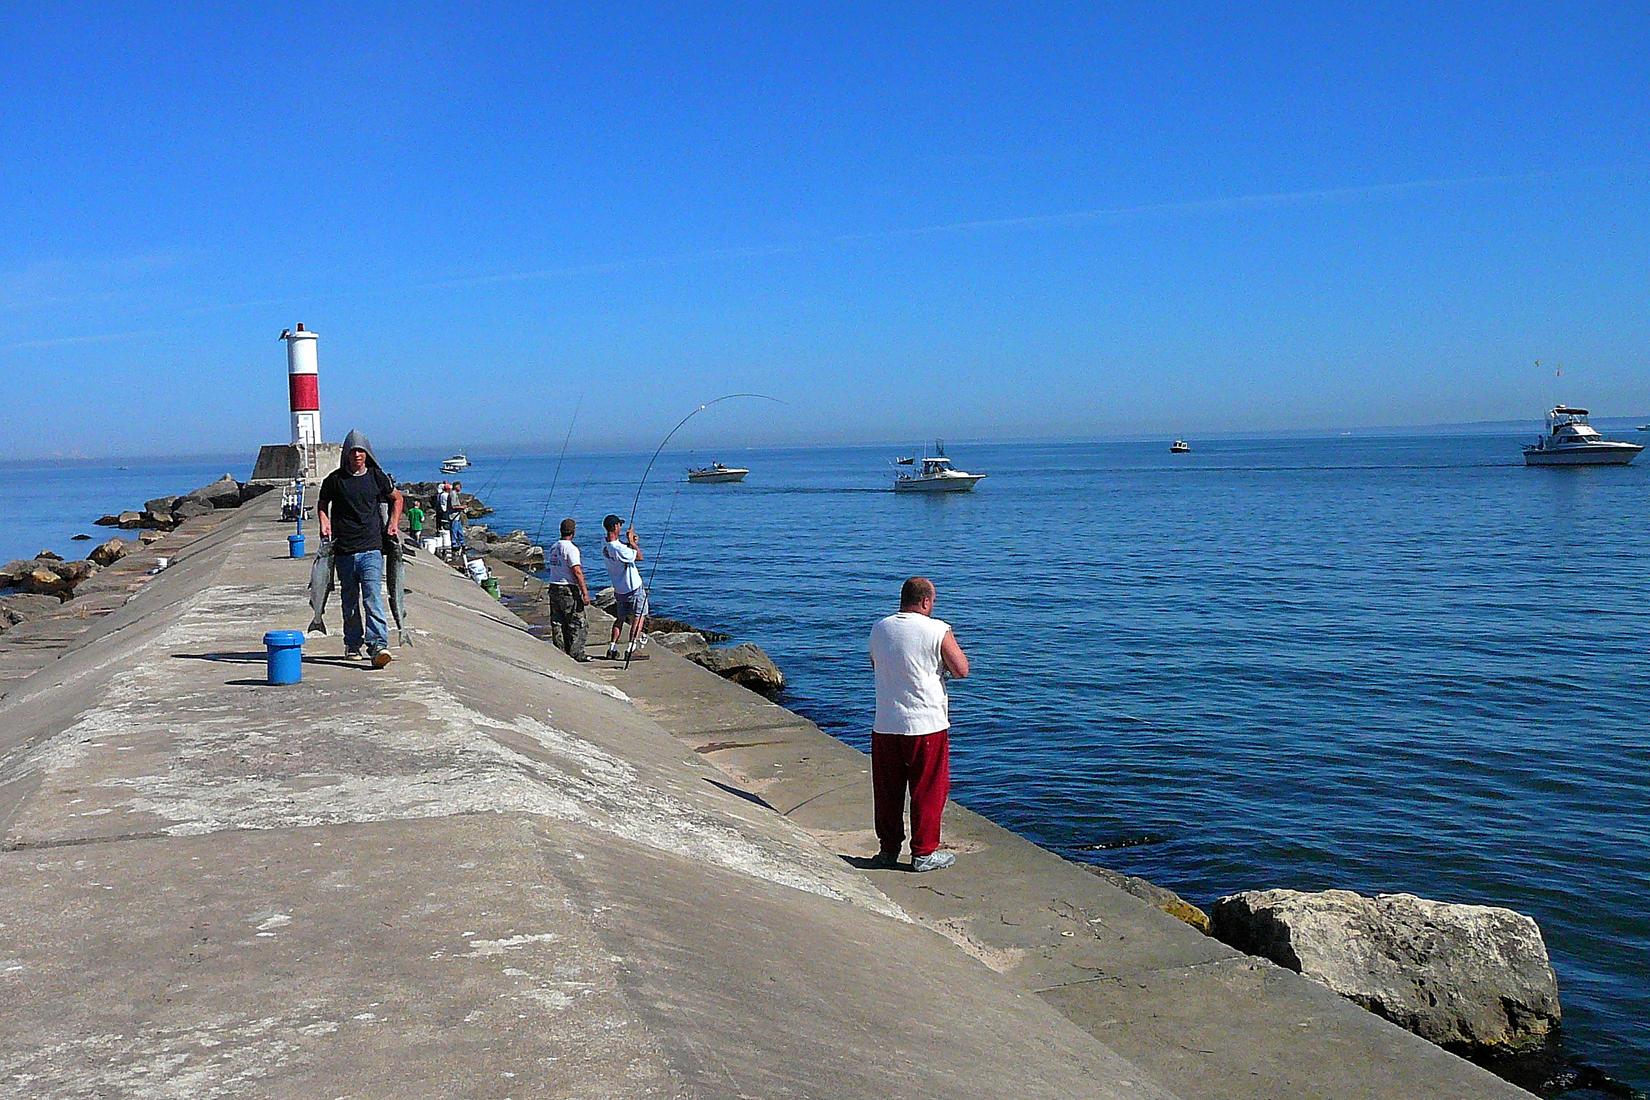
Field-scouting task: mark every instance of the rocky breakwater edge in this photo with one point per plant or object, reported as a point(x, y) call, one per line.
point(1473, 979)
point(34, 587)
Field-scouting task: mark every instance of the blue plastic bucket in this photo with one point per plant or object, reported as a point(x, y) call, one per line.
point(296, 543)
point(285, 650)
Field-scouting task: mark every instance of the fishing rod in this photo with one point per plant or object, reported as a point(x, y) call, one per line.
point(653, 571)
point(538, 532)
point(634, 504)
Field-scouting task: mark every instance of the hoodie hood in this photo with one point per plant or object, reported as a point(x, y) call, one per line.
point(351, 441)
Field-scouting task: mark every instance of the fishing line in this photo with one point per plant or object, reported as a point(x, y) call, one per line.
point(634, 504)
point(545, 511)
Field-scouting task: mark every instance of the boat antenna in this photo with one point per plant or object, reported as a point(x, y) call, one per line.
point(538, 532)
point(634, 504)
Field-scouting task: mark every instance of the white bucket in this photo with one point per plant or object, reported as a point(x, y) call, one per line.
point(162, 563)
point(478, 569)
point(428, 545)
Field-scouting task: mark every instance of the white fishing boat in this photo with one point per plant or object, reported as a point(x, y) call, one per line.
point(1180, 447)
point(1571, 441)
point(716, 474)
point(458, 463)
point(934, 474)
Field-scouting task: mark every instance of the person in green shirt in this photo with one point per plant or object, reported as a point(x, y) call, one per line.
point(415, 520)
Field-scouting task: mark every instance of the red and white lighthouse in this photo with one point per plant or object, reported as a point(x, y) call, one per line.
point(304, 386)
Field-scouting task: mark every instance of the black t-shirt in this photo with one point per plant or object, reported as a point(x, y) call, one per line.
point(352, 502)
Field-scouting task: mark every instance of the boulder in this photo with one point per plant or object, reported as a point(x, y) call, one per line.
point(47, 555)
point(161, 504)
point(159, 521)
point(151, 536)
point(80, 538)
point(110, 552)
point(45, 582)
point(605, 599)
point(1154, 895)
point(23, 607)
point(129, 521)
point(106, 521)
point(222, 493)
point(1472, 978)
point(14, 570)
point(188, 508)
point(745, 664)
point(255, 489)
point(517, 552)
point(685, 642)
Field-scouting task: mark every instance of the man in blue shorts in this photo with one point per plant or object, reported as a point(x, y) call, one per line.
point(621, 556)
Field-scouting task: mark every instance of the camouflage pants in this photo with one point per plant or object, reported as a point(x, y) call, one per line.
point(567, 618)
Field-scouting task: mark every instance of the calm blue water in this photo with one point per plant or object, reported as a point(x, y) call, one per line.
point(1383, 664)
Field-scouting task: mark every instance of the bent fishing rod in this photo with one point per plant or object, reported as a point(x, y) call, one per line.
point(653, 570)
point(634, 504)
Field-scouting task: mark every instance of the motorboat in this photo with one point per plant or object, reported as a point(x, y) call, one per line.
point(934, 474)
point(1180, 447)
point(716, 474)
point(1571, 441)
point(457, 464)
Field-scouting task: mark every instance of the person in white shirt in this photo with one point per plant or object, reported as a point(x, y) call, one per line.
point(621, 556)
point(568, 592)
point(911, 651)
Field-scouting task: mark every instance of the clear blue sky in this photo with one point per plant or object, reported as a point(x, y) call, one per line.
point(959, 220)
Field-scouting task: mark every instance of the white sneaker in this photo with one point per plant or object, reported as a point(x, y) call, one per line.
point(933, 861)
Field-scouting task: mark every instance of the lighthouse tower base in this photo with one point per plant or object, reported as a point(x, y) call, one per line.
point(285, 461)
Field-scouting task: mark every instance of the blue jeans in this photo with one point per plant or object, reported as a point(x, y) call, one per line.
point(361, 580)
point(457, 529)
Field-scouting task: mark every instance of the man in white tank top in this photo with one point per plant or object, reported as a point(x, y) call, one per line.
point(911, 738)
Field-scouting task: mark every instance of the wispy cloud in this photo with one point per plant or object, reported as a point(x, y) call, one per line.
point(1258, 201)
point(90, 338)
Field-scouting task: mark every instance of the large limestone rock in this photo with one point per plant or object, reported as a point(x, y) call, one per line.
point(1472, 978)
point(222, 493)
point(159, 521)
point(110, 552)
point(1158, 897)
point(45, 582)
point(745, 664)
point(515, 549)
point(129, 520)
point(189, 507)
point(685, 642)
point(161, 504)
point(107, 521)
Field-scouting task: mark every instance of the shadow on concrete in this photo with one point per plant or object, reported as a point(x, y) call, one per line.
point(869, 863)
point(746, 795)
point(250, 658)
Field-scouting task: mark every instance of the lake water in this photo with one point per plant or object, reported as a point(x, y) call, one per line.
point(1382, 664)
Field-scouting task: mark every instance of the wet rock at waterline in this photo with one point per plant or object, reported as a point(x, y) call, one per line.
point(1156, 896)
point(1473, 978)
point(745, 664)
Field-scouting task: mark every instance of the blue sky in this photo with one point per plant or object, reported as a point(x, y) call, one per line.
point(905, 220)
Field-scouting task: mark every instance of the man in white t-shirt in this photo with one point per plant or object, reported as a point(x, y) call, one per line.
point(569, 594)
point(621, 556)
point(911, 738)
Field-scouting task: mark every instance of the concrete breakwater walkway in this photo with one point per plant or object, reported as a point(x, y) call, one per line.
point(489, 871)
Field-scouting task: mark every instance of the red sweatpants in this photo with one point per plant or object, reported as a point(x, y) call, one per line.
point(924, 765)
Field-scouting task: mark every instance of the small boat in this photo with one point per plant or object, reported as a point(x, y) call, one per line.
point(934, 474)
point(716, 474)
point(1180, 447)
point(458, 463)
point(1571, 441)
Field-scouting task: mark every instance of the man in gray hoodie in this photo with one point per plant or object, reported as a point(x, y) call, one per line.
point(350, 509)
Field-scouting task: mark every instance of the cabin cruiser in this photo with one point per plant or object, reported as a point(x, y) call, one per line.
point(716, 474)
point(934, 474)
point(458, 463)
point(1571, 441)
point(1180, 447)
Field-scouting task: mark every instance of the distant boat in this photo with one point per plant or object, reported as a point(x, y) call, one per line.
point(1571, 441)
point(1642, 428)
point(1180, 447)
point(935, 474)
point(716, 474)
point(458, 463)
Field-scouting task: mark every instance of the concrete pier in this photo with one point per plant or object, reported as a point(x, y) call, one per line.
point(489, 871)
